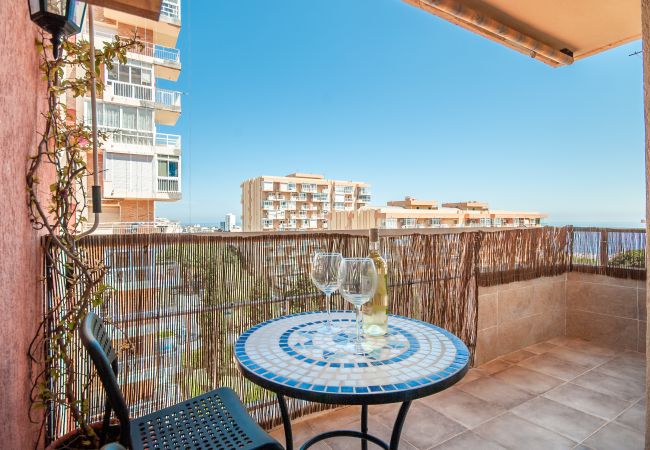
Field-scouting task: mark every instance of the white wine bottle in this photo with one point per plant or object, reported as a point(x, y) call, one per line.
point(375, 312)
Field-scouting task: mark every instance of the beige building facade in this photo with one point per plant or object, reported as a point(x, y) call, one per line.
point(413, 213)
point(138, 164)
point(298, 201)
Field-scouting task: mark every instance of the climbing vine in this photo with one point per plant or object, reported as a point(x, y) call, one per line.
point(56, 181)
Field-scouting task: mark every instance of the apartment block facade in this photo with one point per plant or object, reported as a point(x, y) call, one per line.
point(139, 165)
point(413, 213)
point(298, 201)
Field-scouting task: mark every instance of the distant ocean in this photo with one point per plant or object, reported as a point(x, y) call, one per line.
point(596, 224)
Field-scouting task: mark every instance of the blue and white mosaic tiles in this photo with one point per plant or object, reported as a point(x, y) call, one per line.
point(290, 351)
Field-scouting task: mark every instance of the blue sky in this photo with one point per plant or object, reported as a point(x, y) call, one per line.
point(380, 91)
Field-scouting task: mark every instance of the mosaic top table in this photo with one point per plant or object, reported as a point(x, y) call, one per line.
point(290, 357)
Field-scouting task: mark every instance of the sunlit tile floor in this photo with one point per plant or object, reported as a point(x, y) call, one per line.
point(562, 394)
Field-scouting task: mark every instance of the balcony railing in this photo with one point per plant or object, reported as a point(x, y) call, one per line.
point(168, 140)
point(171, 9)
point(128, 90)
point(433, 276)
point(169, 98)
point(168, 184)
point(128, 137)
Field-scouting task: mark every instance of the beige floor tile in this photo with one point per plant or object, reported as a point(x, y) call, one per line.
point(617, 387)
point(423, 427)
point(302, 431)
point(528, 380)
point(588, 400)
point(565, 340)
point(576, 356)
point(469, 441)
point(540, 348)
point(375, 427)
point(494, 366)
point(616, 437)
point(569, 422)
point(555, 367)
point(516, 433)
point(473, 374)
point(624, 367)
point(593, 349)
point(496, 391)
point(517, 356)
point(634, 417)
point(464, 408)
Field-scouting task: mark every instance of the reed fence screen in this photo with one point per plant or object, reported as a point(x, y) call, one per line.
point(181, 301)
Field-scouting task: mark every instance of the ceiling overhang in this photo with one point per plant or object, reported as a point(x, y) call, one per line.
point(557, 32)
point(149, 9)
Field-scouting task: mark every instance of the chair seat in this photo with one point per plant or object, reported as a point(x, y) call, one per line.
point(215, 420)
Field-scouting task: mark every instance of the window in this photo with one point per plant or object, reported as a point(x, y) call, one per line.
point(497, 222)
point(134, 72)
point(267, 186)
point(435, 222)
point(126, 124)
point(389, 223)
point(168, 166)
point(119, 116)
point(408, 222)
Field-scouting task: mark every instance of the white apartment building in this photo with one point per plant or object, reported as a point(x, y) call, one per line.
point(299, 201)
point(139, 164)
point(230, 222)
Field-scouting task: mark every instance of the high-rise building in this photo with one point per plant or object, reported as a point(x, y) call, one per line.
point(412, 213)
point(230, 222)
point(299, 201)
point(139, 165)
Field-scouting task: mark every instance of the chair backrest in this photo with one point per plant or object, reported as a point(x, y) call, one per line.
point(98, 344)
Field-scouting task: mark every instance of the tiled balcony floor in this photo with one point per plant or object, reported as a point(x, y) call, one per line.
point(561, 394)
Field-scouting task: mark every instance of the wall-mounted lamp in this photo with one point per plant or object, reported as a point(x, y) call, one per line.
point(60, 18)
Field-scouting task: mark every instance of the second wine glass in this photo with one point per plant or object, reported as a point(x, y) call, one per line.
point(324, 274)
point(357, 284)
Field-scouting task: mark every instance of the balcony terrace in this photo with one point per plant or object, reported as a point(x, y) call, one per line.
point(553, 318)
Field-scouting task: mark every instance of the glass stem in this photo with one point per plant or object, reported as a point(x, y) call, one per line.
point(329, 310)
point(357, 310)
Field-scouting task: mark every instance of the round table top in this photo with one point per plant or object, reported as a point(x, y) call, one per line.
point(288, 355)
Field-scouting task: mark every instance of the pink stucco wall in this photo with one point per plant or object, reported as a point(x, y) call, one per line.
point(21, 101)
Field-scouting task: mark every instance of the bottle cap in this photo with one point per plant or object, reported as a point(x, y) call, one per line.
point(374, 235)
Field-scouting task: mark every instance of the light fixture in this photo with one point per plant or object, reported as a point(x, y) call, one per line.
point(60, 18)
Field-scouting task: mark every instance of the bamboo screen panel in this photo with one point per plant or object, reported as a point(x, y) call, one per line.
point(607, 251)
point(182, 301)
point(506, 256)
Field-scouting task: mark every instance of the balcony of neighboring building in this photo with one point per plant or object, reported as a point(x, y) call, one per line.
point(166, 61)
point(166, 102)
point(165, 30)
point(154, 176)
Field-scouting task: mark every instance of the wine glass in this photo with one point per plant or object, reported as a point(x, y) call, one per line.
point(357, 284)
point(324, 274)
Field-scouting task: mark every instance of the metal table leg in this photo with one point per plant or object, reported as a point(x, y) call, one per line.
point(363, 434)
point(286, 422)
point(399, 423)
point(364, 426)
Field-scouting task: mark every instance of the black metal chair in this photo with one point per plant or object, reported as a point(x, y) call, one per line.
point(215, 420)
